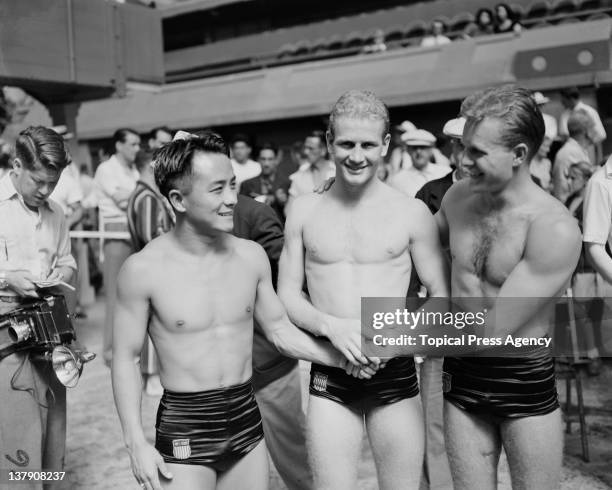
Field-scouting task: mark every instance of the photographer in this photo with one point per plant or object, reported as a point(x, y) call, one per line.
point(34, 246)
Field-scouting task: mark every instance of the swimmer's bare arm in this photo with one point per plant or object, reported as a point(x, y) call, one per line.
point(551, 253)
point(427, 254)
point(345, 334)
point(129, 333)
point(288, 339)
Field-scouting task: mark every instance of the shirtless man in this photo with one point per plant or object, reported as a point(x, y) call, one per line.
point(508, 239)
point(359, 239)
point(196, 290)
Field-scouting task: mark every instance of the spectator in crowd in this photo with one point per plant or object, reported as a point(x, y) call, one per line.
point(148, 216)
point(377, 45)
point(420, 144)
point(570, 98)
point(88, 186)
point(436, 471)
point(540, 166)
point(584, 283)
point(116, 179)
point(318, 168)
point(505, 19)
point(550, 123)
point(436, 36)
point(575, 149)
point(484, 20)
point(244, 167)
point(159, 136)
point(268, 187)
point(276, 378)
point(400, 158)
point(34, 245)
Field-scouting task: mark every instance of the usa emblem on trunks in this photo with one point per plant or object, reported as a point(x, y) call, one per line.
point(181, 448)
point(319, 382)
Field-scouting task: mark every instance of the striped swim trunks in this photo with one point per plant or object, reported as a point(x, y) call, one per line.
point(213, 428)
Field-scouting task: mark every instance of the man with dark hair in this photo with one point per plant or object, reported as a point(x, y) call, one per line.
point(196, 291)
point(34, 246)
point(508, 238)
point(116, 179)
point(244, 168)
point(359, 239)
point(268, 187)
point(318, 169)
point(158, 137)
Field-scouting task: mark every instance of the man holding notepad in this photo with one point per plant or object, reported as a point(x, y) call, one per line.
point(34, 256)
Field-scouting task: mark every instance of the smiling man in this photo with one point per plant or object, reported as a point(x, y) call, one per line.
point(359, 239)
point(196, 290)
point(508, 238)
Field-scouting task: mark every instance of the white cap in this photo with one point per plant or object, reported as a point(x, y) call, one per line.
point(418, 137)
point(406, 126)
point(183, 135)
point(454, 127)
point(540, 98)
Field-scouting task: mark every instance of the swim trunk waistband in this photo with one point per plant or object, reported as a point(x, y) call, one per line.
point(214, 428)
point(395, 382)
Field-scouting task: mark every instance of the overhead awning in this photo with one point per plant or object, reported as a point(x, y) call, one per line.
point(400, 77)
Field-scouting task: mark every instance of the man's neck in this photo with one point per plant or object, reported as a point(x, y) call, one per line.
point(319, 164)
point(583, 141)
point(352, 194)
point(198, 242)
point(514, 194)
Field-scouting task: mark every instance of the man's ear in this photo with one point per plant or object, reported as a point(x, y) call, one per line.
point(176, 199)
point(17, 166)
point(520, 154)
point(386, 141)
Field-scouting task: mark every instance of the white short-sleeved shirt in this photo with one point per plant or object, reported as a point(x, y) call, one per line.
point(308, 177)
point(597, 213)
point(598, 133)
point(112, 176)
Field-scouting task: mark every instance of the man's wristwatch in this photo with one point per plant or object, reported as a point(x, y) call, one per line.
point(3, 282)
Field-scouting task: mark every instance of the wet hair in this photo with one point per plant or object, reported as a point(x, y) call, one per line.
point(240, 137)
point(579, 122)
point(515, 108)
point(143, 158)
point(359, 104)
point(121, 135)
point(153, 134)
point(174, 161)
point(41, 145)
point(268, 145)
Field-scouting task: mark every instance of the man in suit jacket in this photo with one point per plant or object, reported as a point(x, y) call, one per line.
point(269, 187)
point(276, 378)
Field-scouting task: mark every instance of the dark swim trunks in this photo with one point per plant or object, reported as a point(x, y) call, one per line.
point(395, 382)
point(214, 428)
point(508, 387)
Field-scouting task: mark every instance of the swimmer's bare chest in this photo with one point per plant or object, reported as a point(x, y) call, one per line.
point(191, 297)
point(485, 247)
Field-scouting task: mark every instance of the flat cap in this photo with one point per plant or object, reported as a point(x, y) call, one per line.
point(454, 127)
point(418, 137)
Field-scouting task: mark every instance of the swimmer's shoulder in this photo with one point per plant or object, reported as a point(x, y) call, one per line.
point(251, 252)
point(552, 221)
point(154, 254)
point(303, 206)
point(404, 204)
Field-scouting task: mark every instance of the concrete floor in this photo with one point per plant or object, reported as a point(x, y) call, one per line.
point(96, 458)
